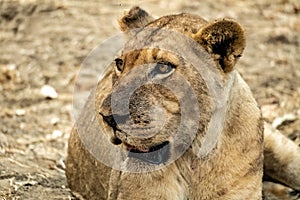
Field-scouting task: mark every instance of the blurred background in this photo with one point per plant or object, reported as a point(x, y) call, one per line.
point(43, 43)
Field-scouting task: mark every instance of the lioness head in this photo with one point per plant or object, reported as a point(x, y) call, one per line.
point(158, 103)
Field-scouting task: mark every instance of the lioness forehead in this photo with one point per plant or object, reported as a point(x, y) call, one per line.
point(187, 24)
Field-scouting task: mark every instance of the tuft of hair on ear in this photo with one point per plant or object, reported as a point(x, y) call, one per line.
point(135, 18)
point(225, 40)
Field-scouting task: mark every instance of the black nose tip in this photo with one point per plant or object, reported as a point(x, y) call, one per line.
point(115, 140)
point(114, 120)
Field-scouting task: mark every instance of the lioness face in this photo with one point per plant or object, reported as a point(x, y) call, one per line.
point(147, 105)
point(147, 125)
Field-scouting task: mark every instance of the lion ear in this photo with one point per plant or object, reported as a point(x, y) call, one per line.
point(224, 39)
point(134, 18)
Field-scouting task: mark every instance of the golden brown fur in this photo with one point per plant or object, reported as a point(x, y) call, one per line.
point(234, 168)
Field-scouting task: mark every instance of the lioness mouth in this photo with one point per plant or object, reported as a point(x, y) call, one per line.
point(157, 154)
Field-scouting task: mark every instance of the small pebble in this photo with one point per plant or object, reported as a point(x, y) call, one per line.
point(55, 134)
point(22, 126)
point(49, 92)
point(20, 112)
point(11, 67)
point(54, 120)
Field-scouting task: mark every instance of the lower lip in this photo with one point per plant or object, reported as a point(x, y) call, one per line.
point(158, 156)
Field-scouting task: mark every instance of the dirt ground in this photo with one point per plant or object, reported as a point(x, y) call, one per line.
point(44, 43)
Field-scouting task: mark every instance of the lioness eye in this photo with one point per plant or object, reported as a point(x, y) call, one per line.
point(119, 64)
point(162, 70)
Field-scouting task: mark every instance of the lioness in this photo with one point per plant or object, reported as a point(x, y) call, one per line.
point(171, 165)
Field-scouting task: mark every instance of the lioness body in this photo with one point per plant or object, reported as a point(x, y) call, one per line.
point(234, 167)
